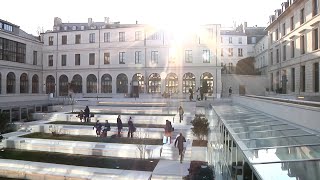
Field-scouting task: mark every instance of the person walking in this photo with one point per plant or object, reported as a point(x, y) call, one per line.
point(105, 129)
point(181, 112)
point(191, 94)
point(98, 127)
point(131, 128)
point(230, 92)
point(80, 115)
point(180, 140)
point(167, 132)
point(86, 114)
point(119, 125)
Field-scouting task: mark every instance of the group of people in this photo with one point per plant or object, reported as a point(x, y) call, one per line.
point(85, 115)
point(131, 127)
point(101, 130)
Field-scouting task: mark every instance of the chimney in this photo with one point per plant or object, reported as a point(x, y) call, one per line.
point(89, 21)
point(106, 20)
point(136, 22)
point(57, 21)
point(245, 25)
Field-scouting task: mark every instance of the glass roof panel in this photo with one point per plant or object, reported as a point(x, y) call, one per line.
point(263, 128)
point(255, 124)
point(283, 154)
point(305, 170)
point(266, 134)
point(282, 141)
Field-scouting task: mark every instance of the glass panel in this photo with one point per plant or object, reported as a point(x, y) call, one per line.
point(285, 141)
point(251, 120)
point(289, 170)
point(264, 134)
point(263, 128)
point(255, 124)
point(283, 154)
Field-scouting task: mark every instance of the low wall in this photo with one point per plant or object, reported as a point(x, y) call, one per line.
point(23, 97)
point(299, 114)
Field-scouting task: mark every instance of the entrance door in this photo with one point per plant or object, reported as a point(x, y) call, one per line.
point(242, 90)
point(284, 84)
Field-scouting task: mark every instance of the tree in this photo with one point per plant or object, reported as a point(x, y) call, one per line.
point(246, 66)
point(200, 126)
point(4, 121)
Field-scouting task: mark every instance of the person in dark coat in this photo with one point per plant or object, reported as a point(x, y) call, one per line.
point(168, 132)
point(191, 94)
point(106, 129)
point(86, 114)
point(131, 128)
point(230, 91)
point(98, 127)
point(119, 125)
point(180, 139)
point(181, 112)
point(80, 115)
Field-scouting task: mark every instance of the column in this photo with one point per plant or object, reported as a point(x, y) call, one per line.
point(84, 85)
point(3, 84)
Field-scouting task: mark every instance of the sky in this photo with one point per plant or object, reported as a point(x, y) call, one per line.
point(34, 15)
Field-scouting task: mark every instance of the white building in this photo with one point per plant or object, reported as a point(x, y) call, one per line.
point(294, 48)
point(112, 59)
point(261, 56)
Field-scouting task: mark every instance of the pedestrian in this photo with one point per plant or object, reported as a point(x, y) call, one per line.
point(80, 115)
point(167, 133)
point(105, 129)
point(230, 92)
point(119, 125)
point(98, 127)
point(180, 140)
point(86, 114)
point(131, 128)
point(181, 112)
point(191, 94)
point(198, 94)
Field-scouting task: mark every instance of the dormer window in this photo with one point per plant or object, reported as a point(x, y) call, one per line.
point(65, 28)
point(82, 27)
point(74, 27)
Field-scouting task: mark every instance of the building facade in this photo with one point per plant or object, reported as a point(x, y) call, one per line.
point(261, 56)
point(112, 59)
point(294, 48)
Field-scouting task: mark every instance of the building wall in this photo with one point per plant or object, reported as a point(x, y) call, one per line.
point(293, 56)
point(261, 56)
point(253, 85)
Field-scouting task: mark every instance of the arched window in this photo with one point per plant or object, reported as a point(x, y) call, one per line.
point(122, 83)
point(63, 85)
point(24, 83)
point(50, 84)
point(91, 84)
point(76, 84)
point(188, 81)
point(138, 77)
point(171, 83)
point(11, 83)
point(35, 84)
point(154, 83)
point(106, 83)
point(206, 83)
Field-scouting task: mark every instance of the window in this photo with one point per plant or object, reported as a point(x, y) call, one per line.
point(206, 56)
point(155, 36)
point(302, 18)
point(240, 40)
point(254, 40)
point(138, 36)
point(137, 57)
point(35, 57)
point(240, 52)
point(315, 39)
point(91, 58)
point(122, 37)
point(107, 37)
point(77, 59)
point(271, 37)
point(230, 40)
point(315, 6)
point(230, 50)
point(154, 57)
point(121, 57)
point(63, 60)
point(303, 78)
point(284, 52)
point(293, 80)
point(271, 57)
point(302, 44)
point(78, 39)
point(283, 29)
point(277, 34)
point(50, 60)
point(292, 48)
point(277, 55)
point(92, 38)
point(82, 27)
point(74, 27)
point(188, 56)
point(64, 39)
point(107, 58)
point(221, 52)
point(50, 40)
point(316, 77)
point(291, 23)
point(65, 28)
point(12, 51)
point(7, 27)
